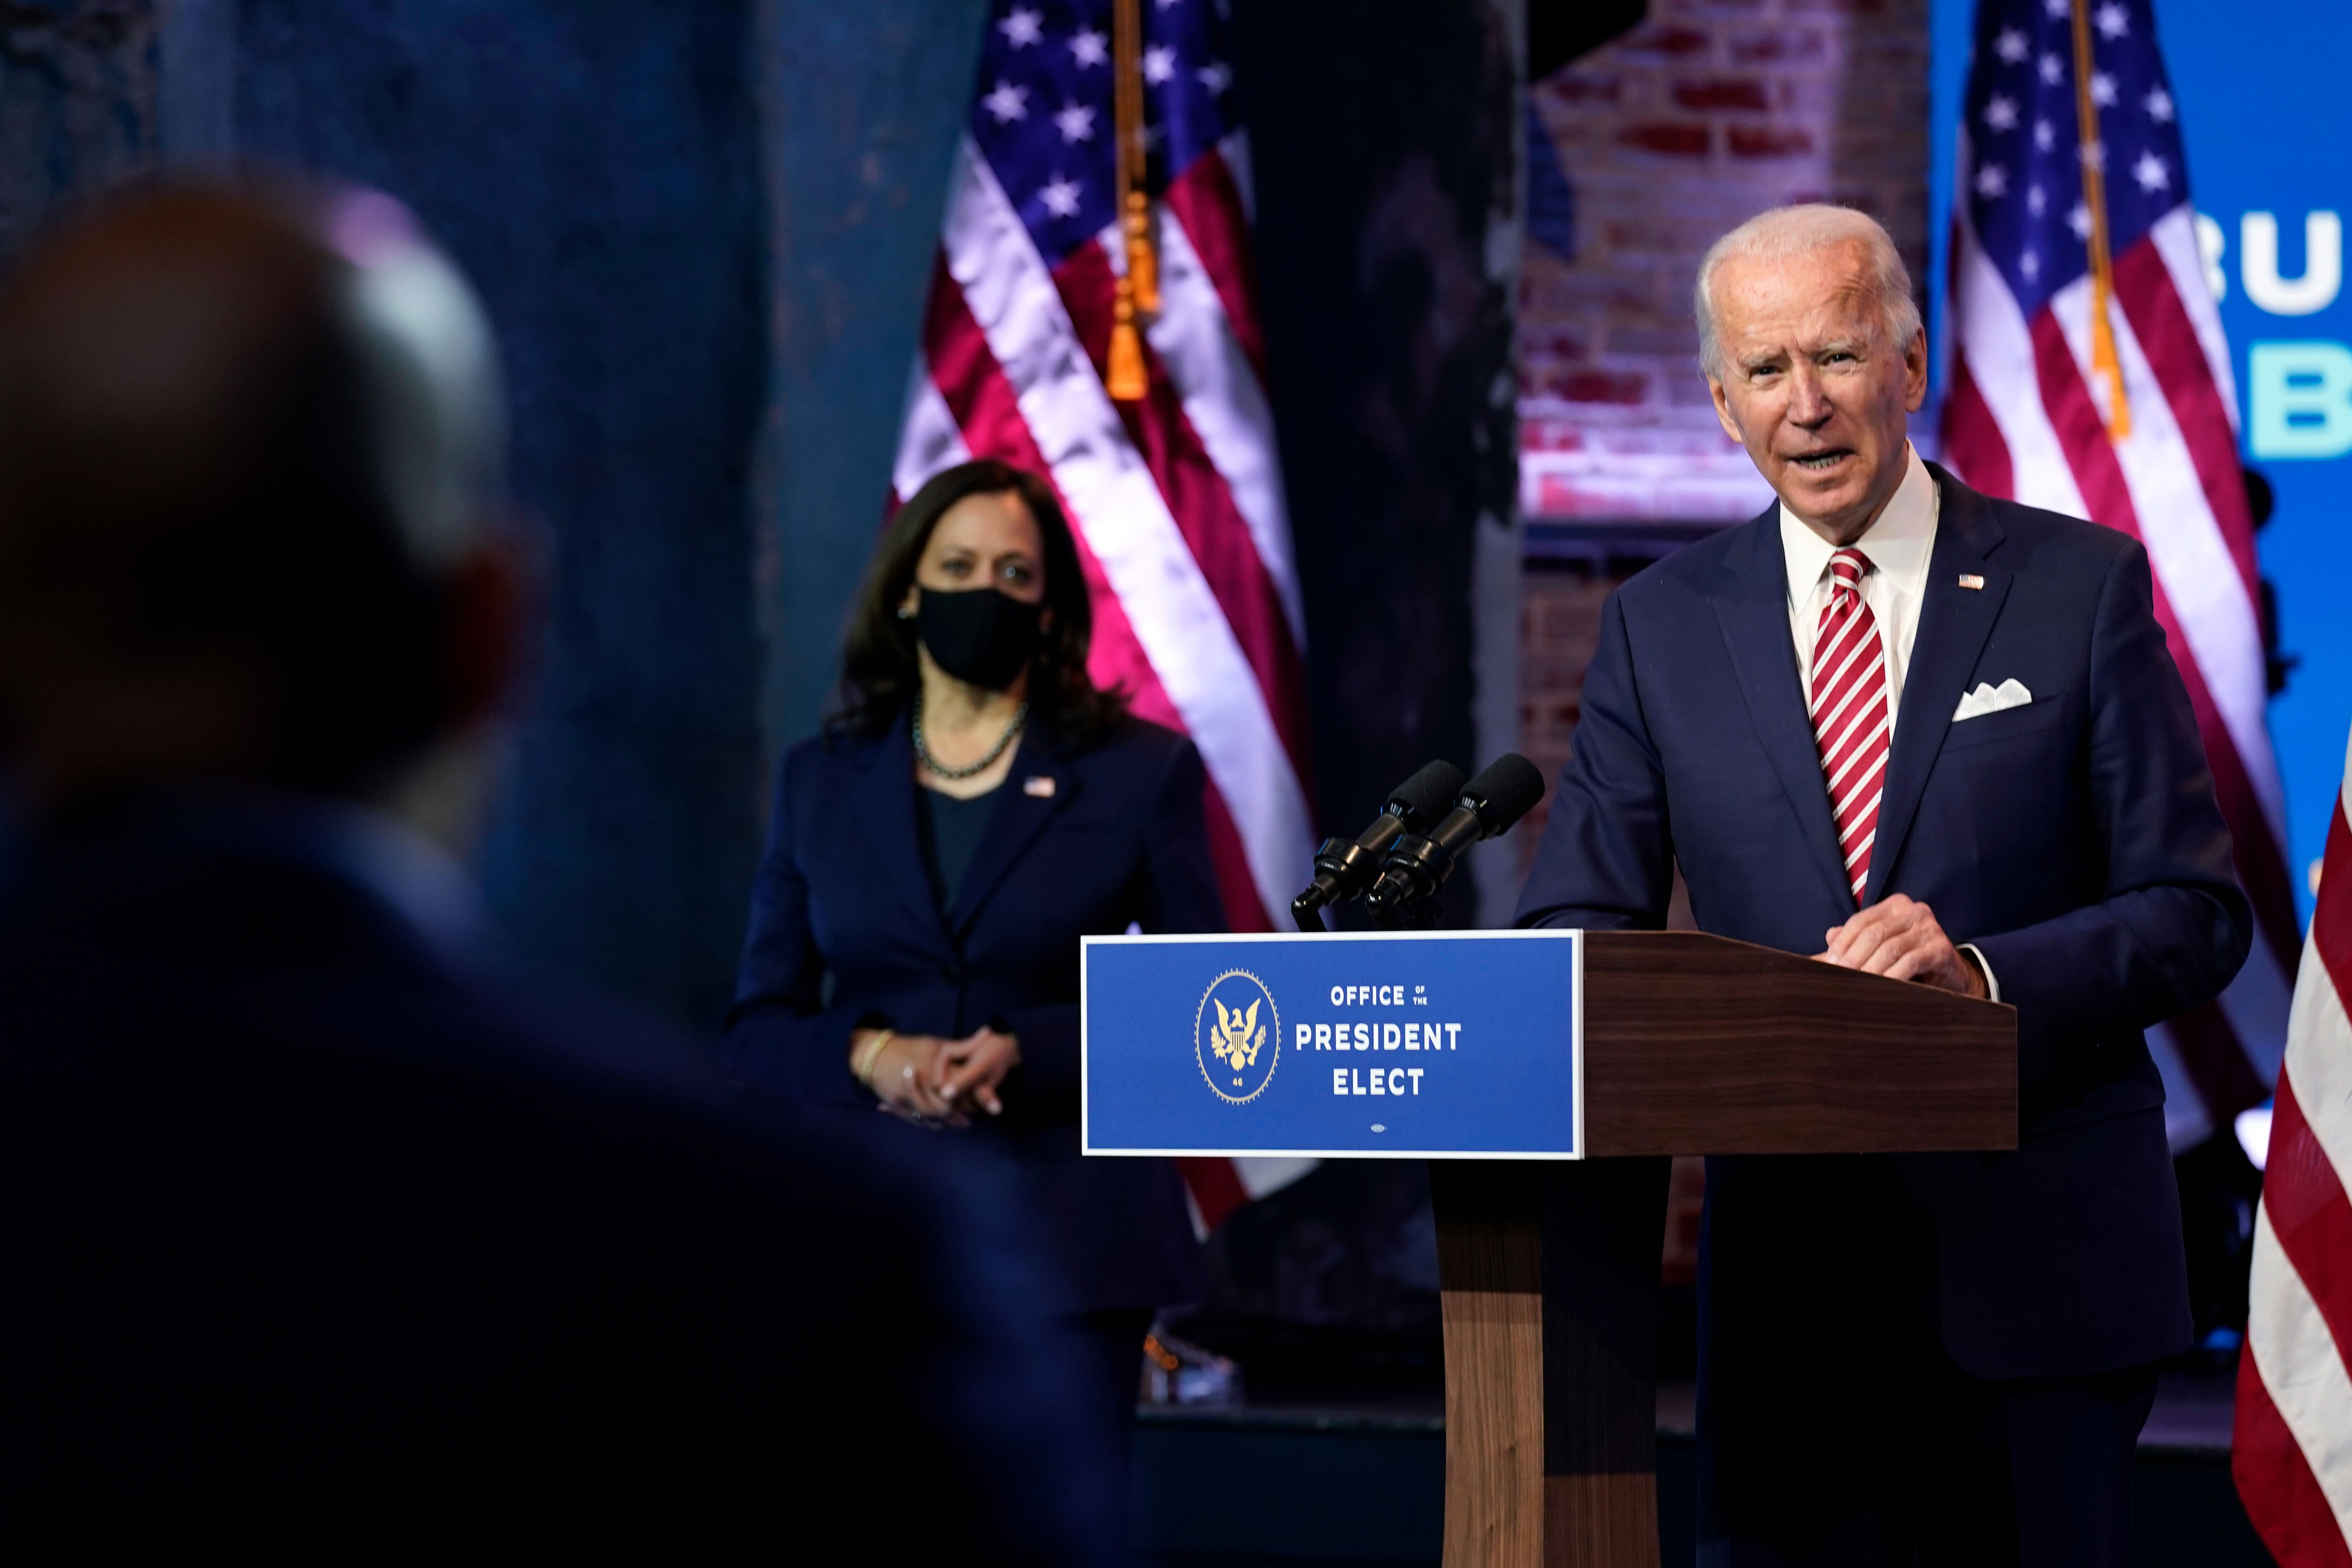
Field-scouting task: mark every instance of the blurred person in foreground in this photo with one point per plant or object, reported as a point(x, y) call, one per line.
point(317, 1220)
point(975, 808)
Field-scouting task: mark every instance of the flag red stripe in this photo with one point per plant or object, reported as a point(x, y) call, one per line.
point(979, 395)
point(2261, 868)
point(2208, 1043)
point(1244, 906)
point(2331, 915)
point(2216, 1061)
point(1216, 1186)
point(2170, 340)
point(2144, 288)
point(1207, 203)
point(2309, 1213)
point(1202, 504)
point(2098, 474)
point(2282, 1496)
point(1972, 437)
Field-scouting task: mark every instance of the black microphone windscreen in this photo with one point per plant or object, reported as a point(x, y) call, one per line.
point(1428, 794)
point(1507, 788)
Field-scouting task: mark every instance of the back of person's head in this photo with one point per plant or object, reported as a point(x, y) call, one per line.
point(249, 443)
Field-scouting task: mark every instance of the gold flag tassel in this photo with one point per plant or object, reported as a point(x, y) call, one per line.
point(2106, 366)
point(1138, 285)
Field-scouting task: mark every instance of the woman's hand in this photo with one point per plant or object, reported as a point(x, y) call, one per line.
point(905, 1074)
point(972, 1069)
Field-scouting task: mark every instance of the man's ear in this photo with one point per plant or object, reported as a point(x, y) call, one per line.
point(486, 599)
point(1915, 371)
point(1723, 410)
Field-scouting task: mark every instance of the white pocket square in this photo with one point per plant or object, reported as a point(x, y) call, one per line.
point(1990, 699)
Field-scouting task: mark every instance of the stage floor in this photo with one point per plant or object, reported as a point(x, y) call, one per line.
point(1337, 1484)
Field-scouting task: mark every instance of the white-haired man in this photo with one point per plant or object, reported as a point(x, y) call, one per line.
point(1920, 733)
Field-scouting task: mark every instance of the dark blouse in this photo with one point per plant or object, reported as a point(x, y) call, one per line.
point(948, 830)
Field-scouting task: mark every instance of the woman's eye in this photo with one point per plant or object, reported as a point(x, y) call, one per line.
point(955, 568)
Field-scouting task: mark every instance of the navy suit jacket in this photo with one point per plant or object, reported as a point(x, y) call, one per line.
point(2075, 840)
point(1084, 840)
point(321, 1223)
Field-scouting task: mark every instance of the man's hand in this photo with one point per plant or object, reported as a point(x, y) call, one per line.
point(1900, 938)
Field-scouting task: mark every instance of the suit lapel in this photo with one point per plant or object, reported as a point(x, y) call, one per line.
point(1023, 811)
point(1753, 607)
point(885, 808)
point(1954, 623)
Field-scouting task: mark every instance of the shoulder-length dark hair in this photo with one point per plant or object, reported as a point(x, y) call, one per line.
point(879, 674)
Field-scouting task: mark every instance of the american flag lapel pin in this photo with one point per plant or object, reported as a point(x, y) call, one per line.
point(1040, 784)
point(1970, 580)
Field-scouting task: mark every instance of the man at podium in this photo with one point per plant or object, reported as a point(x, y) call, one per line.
point(1915, 731)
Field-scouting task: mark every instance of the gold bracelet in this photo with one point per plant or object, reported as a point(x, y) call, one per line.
point(863, 1067)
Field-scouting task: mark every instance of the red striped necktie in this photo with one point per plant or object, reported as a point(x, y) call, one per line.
point(1849, 709)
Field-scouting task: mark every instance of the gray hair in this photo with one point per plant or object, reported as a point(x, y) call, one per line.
point(1786, 232)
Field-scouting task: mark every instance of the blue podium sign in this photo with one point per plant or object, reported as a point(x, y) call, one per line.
point(1383, 1045)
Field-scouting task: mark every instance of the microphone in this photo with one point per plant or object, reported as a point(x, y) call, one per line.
point(1416, 867)
point(1345, 867)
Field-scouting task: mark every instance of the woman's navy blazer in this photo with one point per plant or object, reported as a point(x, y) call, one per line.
point(1084, 840)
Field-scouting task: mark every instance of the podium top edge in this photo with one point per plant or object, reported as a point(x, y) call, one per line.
point(1551, 934)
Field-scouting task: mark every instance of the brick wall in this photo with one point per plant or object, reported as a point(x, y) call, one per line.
point(1711, 112)
point(1560, 609)
point(1559, 625)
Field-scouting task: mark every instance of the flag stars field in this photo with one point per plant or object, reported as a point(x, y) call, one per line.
point(1008, 102)
point(1023, 28)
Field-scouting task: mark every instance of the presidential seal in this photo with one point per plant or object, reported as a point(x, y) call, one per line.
point(1238, 1036)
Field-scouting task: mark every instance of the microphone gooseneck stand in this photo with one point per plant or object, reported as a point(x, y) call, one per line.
point(1399, 863)
point(1345, 868)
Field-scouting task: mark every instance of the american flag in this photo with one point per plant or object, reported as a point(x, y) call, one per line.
point(2090, 377)
point(1176, 496)
point(2293, 1449)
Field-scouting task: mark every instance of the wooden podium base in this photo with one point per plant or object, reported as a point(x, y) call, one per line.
point(1549, 1281)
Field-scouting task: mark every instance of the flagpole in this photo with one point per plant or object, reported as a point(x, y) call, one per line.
point(2106, 366)
point(1138, 285)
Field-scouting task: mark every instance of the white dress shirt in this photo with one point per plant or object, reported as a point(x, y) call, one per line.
point(1900, 544)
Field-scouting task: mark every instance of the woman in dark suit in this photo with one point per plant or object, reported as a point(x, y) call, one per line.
point(976, 807)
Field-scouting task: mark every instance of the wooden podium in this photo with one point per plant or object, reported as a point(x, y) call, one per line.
point(1693, 1044)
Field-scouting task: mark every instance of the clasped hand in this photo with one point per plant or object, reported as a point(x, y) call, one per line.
point(927, 1078)
point(1900, 937)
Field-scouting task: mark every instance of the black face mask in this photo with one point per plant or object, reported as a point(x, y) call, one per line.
point(979, 635)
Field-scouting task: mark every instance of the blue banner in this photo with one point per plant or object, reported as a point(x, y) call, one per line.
point(1400, 1045)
